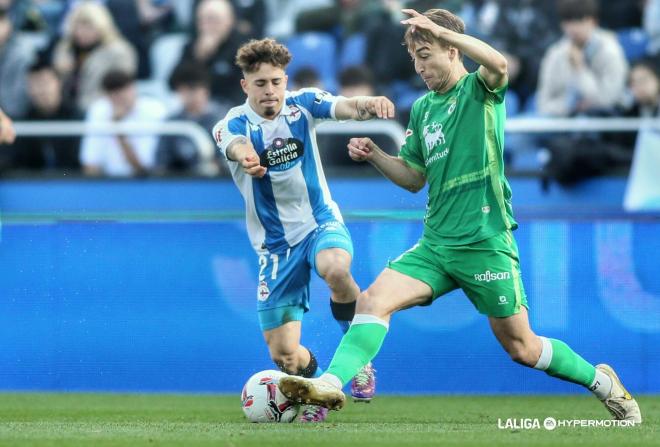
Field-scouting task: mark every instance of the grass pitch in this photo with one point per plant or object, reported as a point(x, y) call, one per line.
point(134, 420)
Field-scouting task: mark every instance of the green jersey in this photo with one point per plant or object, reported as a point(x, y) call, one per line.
point(456, 140)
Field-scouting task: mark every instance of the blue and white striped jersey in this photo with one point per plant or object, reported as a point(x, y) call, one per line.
point(293, 198)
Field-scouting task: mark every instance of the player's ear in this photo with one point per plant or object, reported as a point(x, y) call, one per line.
point(286, 80)
point(244, 86)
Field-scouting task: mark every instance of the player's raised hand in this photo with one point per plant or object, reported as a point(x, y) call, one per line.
point(252, 166)
point(361, 149)
point(377, 106)
point(418, 20)
point(7, 132)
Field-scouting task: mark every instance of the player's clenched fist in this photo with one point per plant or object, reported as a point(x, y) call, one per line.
point(252, 166)
point(361, 149)
point(375, 106)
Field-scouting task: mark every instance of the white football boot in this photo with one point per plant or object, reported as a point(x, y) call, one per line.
point(312, 392)
point(620, 403)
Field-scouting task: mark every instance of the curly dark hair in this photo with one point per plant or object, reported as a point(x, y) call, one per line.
point(255, 52)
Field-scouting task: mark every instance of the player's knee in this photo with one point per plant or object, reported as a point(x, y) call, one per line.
point(337, 274)
point(523, 353)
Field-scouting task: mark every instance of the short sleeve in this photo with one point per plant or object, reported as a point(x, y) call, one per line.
point(411, 151)
point(227, 130)
point(319, 103)
point(497, 95)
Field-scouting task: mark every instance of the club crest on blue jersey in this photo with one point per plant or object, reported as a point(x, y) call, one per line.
point(282, 154)
point(294, 114)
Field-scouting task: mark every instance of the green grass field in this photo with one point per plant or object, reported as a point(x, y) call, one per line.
point(135, 420)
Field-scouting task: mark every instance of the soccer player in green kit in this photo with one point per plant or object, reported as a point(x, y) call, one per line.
point(454, 142)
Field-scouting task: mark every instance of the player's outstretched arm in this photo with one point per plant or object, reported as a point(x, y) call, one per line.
point(241, 151)
point(361, 108)
point(7, 133)
point(394, 168)
point(493, 65)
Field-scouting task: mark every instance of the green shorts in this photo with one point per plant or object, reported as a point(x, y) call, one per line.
point(488, 271)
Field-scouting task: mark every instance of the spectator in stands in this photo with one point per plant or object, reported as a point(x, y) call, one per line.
point(345, 17)
point(281, 15)
point(47, 152)
point(586, 70)
point(120, 155)
point(307, 77)
point(579, 156)
point(644, 85)
point(14, 61)
point(645, 89)
point(356, 81)
point(214, 46)
point(522, 30)
point(139, 21)
point(251, 16)
point(90, 47)
point(177, 154)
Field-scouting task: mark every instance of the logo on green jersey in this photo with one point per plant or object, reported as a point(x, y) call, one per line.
point(433, 136)
point(452, 107)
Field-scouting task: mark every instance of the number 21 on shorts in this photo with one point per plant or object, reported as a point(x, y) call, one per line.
point(263, 263)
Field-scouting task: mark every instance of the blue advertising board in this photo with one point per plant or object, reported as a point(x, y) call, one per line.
point(142, 304)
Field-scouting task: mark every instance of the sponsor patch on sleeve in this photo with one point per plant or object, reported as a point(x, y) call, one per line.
point(320, 96)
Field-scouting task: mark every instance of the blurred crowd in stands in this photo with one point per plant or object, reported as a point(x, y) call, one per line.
point(152, 60)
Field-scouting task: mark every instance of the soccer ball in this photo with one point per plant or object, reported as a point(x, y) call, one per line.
point(263, 401)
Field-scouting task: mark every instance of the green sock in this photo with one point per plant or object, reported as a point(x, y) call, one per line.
point(360, 344)
point(559, 360)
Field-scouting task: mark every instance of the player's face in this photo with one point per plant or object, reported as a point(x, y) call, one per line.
point(433, 62)
point(265, 89)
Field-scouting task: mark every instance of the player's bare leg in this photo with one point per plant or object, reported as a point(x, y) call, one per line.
point(334, 266)
point(285, 348)
point(293, 358)
point(557, 359)
point(392, 291)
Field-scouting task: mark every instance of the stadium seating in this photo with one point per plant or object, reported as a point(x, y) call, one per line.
point(634, 42)
point(353, 51)
point(165, 52)
point(316, 50)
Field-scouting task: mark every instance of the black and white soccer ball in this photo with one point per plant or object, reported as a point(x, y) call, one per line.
point(262, 400)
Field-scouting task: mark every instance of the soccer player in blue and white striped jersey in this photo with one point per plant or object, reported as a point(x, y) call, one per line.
point(293, 224)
